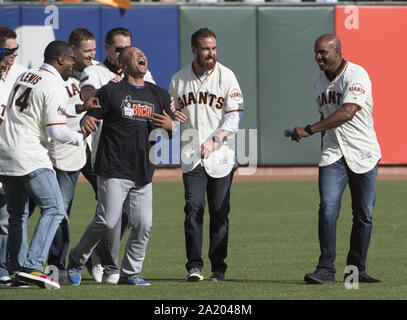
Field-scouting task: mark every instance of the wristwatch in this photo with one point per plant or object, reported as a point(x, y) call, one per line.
point(308, 130)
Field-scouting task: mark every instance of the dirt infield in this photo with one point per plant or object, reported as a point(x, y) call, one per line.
point(277, 173)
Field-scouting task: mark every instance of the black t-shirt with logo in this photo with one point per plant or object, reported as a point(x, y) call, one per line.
point(124, 145)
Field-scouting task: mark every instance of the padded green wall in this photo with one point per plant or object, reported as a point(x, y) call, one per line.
point(286, 72)
point(270, 50)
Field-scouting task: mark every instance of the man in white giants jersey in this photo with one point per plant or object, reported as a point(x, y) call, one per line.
point(8, 40)
point(5, 279)
point(350, 154)
point(209, 103)
point(93, 78)
point(69, 160)
point(9, 71)
point(35, 112)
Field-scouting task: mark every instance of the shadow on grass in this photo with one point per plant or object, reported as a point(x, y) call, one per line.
point(295, 282)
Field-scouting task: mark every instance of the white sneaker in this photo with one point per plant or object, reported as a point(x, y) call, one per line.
point(5, 281)
point(97, 273)
point(111, 278)
point(194, 275)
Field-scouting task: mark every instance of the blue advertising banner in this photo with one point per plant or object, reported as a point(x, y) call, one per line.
point(154, 30)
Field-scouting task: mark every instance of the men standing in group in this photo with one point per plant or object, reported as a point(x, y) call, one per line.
point(209, 105)
point(350, 154)
point(131, 109)
point(93, 78)
point(35, 112)
point(69, 160)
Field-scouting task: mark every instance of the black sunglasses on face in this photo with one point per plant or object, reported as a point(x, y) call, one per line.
point(119, 49)
point(13, 49)
point(9, 50)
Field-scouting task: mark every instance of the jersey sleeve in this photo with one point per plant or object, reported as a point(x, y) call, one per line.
point(54, 101)
point(234, 96)
point(90, 78)
point(3, 109)
point(148, 77)
point(357, 88)
point(173, 93)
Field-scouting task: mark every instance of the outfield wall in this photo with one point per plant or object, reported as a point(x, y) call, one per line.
point(270, 49)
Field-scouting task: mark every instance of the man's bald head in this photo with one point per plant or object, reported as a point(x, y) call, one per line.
point(328, 52)
point(330, 39)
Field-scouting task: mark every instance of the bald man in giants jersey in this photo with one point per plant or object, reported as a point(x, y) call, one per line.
point(350, 154)
point(93, 78)
point(209, 103)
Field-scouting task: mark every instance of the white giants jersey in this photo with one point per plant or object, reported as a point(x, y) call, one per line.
point(206, 103)
point(7, 81)
point(97, 76)
point(68, 157)
point(355, 140)
point(35, 103)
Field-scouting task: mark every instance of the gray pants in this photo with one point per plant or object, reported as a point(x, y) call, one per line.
point(113, 194)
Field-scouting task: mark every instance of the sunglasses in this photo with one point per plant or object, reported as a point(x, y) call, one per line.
point(119, 49)
point(9, 50)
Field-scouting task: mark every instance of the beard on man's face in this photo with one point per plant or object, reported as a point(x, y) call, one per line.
point(207, 63)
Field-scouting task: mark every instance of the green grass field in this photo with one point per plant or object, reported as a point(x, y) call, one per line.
point(273, 243)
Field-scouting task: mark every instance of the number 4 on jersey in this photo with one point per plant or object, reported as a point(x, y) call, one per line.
point(22, 101)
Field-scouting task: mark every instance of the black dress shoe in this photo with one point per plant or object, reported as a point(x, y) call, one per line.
point(364, 278)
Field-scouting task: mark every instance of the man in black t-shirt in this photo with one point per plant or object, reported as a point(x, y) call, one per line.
point(130, 110)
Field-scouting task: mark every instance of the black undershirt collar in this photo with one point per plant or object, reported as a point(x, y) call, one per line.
point(332, 76)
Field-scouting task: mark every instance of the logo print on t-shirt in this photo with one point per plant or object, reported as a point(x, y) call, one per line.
point(136, 109)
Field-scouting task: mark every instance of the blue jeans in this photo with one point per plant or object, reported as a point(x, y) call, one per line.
point(43, 187)
point(18, 260)
point(3, 236)
point(60, 245)
point(332, 183)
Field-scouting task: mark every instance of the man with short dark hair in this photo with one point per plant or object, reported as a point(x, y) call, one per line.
point(209, 106)
point(5, 279)
point(9, 71)
point(36, 111)
point(69, 160)
point(350, 155)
